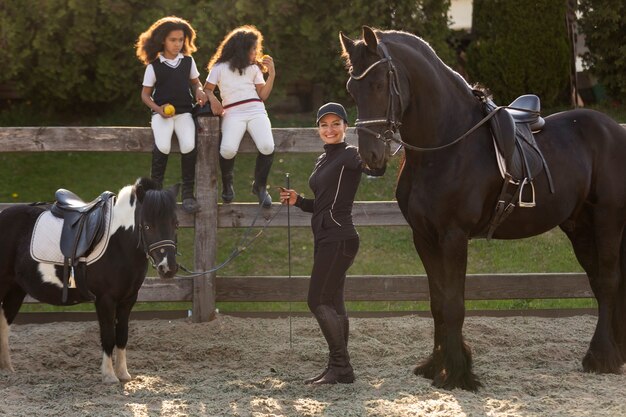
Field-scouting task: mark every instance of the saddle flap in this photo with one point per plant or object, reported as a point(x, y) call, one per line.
point(503, 129)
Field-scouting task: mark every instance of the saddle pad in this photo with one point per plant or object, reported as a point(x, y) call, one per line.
point(45, 243)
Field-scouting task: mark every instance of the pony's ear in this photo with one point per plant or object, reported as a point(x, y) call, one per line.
point(370, 39)
point(142, 185)
point(347, 44)
point(174, 189)
point(140, 189)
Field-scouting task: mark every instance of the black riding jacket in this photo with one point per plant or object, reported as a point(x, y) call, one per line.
point(334, 183)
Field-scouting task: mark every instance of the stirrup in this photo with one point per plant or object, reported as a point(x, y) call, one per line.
point(526, 204)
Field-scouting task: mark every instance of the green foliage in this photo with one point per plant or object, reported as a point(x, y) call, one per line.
point(604, 24)
point(520, 48)
point(78, 55)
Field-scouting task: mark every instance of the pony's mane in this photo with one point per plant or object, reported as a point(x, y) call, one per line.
point(158, 204)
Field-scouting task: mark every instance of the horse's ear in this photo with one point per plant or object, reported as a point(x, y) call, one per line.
point(174, 189)
point(370, 39)
point(347, 44)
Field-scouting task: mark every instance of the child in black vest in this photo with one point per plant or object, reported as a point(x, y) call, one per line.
point(166, 48)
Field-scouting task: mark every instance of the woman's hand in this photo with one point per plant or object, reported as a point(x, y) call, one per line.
point(288, 196)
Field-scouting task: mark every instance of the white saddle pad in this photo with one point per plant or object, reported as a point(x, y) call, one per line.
point(45, 243)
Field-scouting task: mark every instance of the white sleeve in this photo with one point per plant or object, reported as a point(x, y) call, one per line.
point(149, 77)
point(214, 75)
point(258, 76)
point(193, 73)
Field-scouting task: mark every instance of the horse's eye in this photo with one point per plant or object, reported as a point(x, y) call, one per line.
point(176, 224)
point(146, 227)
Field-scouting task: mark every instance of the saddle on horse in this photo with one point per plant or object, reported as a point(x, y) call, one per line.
point(519, 158)
point(83, 227)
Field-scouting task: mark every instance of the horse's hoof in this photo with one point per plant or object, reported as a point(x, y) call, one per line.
point(611, 364)
point(467, 382)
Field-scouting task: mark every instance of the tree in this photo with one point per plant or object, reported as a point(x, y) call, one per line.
point(604, 25)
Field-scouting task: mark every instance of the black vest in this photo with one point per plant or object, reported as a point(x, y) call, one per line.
point(172, 85)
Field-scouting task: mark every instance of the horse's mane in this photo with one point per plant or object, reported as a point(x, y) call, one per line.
point(405, 38)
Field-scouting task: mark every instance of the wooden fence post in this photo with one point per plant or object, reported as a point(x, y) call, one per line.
point(205, 240)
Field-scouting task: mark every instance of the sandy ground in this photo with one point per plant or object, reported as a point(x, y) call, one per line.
point(245, 367)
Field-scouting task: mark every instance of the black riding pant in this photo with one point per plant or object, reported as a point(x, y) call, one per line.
point(331, 260)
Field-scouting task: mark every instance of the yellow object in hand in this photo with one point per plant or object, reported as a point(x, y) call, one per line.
point(169, 110)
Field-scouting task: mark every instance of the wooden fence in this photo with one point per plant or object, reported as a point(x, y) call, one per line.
point(205, 291)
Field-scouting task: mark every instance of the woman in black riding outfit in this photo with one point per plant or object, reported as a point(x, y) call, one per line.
point(334, 182)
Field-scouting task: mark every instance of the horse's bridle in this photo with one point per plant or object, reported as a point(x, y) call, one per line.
point(392, 124)
point(390, 120)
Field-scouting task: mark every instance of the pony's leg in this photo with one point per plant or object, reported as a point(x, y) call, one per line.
point(597, 249)
point(11, 303)
point(445, 262)
point(5, 354)
point(121, 339)
point(105, 309)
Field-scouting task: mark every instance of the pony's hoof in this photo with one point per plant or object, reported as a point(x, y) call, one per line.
point(110, 379)
point(125, 377)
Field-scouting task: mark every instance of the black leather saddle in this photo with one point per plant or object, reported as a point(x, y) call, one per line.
point(83, 228)
point(512, 128)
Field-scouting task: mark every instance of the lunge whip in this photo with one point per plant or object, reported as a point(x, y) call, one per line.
point(289, 254)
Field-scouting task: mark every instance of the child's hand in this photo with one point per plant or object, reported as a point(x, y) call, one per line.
point(201, 97)
point(268, 62)
point(216, 107)
point(163, 113)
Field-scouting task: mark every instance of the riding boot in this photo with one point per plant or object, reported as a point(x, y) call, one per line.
point(227, 167)
point(339, 368)
point(261, 172)
point(345, 324)
point(159, 163)
point(188, 168)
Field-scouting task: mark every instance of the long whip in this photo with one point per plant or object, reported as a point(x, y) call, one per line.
point(289, 256)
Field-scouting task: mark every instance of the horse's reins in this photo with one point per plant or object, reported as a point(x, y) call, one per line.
point(389, 135)
point(244, 243)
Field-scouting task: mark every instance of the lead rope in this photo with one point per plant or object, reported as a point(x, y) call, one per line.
point(289, 257)
point(244, 243)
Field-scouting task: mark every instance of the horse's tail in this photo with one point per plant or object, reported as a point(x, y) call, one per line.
point(619, 318)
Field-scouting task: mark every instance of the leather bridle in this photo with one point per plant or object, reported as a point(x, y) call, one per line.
point(390, 121)
point(150, 248)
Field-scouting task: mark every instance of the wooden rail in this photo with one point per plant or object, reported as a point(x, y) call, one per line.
point(205, 291)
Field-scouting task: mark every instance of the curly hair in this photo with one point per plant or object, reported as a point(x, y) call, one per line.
point(235, 48)
point(150, 43)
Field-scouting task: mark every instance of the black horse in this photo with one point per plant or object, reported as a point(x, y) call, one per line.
point(448, 195)
point(142, 225)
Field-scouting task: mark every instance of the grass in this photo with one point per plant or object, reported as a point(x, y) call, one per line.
point(31, 177)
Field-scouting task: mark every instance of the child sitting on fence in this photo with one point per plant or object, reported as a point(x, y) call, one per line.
point(166, 48)
point(237, 69)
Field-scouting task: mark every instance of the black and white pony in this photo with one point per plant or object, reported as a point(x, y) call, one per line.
point(142, 225)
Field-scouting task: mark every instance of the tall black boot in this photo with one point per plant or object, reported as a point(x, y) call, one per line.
point(261, 171)
point(159, 163)
point(188, 168)
point(345, 324)
point(339, 368)
point(227, 167)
